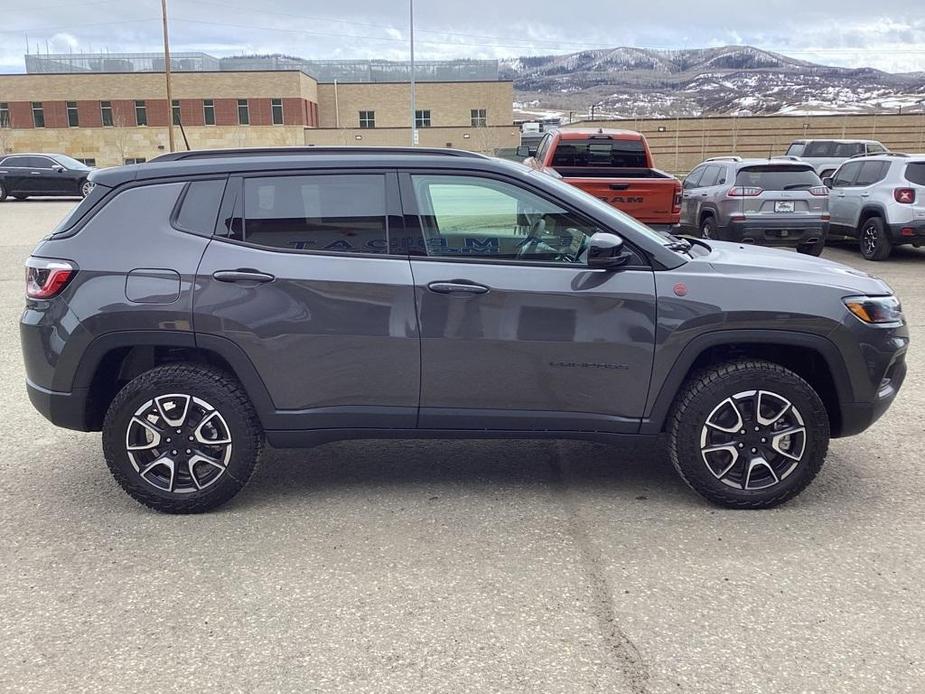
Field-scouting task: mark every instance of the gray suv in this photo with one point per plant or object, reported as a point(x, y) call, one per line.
point(879, 202)
point(827, 155)
point(760, 201)
point(193, 310)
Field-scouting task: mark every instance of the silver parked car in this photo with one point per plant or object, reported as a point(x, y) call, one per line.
point(760, 201)
point(880, 202)
point(828, 155)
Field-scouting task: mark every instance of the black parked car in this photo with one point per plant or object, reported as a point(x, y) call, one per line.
point(303, 298)
point(23, 175)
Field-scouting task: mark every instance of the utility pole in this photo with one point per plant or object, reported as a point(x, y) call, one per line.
point(414, 120)
point(170, 138)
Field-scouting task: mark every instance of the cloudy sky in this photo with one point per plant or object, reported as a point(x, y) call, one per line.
point(888, 34)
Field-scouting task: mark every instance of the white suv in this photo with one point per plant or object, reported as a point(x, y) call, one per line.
point(827, 155)
point(880, 201)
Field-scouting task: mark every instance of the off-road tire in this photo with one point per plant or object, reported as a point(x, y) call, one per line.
point(212, 385)
point(874, 240)
point(705, 390)
point(814, 249)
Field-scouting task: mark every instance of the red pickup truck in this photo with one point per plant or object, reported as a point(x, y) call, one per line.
point(615, 166)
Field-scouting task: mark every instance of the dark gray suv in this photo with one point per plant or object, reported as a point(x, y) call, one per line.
point(193, 309)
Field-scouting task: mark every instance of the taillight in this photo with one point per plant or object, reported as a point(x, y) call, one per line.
point(906, 196)
point(819, 191)
point(677, 202)
point(744, 192)
point(46, 278)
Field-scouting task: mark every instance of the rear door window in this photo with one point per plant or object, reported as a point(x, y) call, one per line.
point(820, 148)
point(776, 177)
point(849, 149)
point(872, 172)
point(710, 176)
point(915, 173)
point(333, 213)
point(16, 162)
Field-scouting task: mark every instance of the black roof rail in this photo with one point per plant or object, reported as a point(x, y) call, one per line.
point(294, 151)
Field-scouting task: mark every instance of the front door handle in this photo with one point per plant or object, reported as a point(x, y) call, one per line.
point(243, 274)
point(457, 287)
point(865, 195)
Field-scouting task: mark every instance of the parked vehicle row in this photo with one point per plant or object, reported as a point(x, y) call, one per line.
point(221, 302)
point(25, 175)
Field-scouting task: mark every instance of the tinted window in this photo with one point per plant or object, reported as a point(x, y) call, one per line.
point(820, 148)
point(316, 213)
point(199, 207)
point(876, 147)
point(544, 145)
point(22, 162)
point(872, 172)
point(70, 163)
point(40, 162)
point(710, 176)
point(693, 178)
point(602, 152)
point(775, 177)
point(846, 175)
point(915, 173)
point(471, 216)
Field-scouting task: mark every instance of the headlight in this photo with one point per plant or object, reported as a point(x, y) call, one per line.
point(875, 309)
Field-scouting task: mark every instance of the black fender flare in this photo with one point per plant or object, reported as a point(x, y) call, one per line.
point(657, 411)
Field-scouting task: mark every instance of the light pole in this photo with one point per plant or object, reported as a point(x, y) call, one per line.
point(170, 139)
point(414, 120)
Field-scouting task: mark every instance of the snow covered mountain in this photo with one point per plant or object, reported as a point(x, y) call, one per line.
point(637, 82)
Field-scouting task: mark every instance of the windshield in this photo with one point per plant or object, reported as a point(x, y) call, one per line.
point(601, 152)
point(772, 177)
point(70, 163)
point(619, 219)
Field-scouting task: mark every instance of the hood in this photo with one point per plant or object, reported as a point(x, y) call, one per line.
point(745, 260)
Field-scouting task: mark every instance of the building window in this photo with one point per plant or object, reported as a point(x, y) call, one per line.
point(208, 111)
point(73, 118)
point(367, 119)
point(87, 161)
point(135, 160)
point(479, 117)
point(141, 113)
point(277, 108)
point(244, 112)
point(422, 119)
point(175, 111)
point(38, 114)
point(4, 115)
point(106, 113)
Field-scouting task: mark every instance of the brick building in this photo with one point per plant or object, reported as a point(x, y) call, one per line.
point(113, 118)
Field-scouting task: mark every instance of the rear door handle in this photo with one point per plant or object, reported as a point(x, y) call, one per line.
point(243, 275)
point(457, 287)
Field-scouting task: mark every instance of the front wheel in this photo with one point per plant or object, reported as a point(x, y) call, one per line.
point(748, 434)
point(3, 192)
point(182, 438)
point(875, 243)
point(708, 228)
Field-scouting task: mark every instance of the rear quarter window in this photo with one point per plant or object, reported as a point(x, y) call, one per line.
point(915, 173)
point(198, 207)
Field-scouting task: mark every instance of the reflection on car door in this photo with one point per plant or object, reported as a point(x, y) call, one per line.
point(844, 205)
point(301, 279)
point(517, 333)
point(17, 174)
point(689, 188)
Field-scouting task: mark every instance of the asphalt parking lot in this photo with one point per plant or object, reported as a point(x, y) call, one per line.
point(449, 566)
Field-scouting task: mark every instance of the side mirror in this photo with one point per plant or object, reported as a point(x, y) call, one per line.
point(526, 151)
point(828, 181)
point(605, 251)
point(59, 169)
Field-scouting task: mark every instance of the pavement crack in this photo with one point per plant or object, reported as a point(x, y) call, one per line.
point(619, 647)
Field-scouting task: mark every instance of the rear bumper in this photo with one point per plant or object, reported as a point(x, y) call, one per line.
point(911, 232)
point(776, 232)
point(67, 410)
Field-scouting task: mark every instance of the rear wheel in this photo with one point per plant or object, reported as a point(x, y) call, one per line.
point(708, 228)
point(814, 248)
point(874, 241)
point(182, 438)
point(85, 188)
point(2, 192)
point(748, 434)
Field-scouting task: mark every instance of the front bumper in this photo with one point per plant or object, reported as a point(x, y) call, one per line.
point(776, 232)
